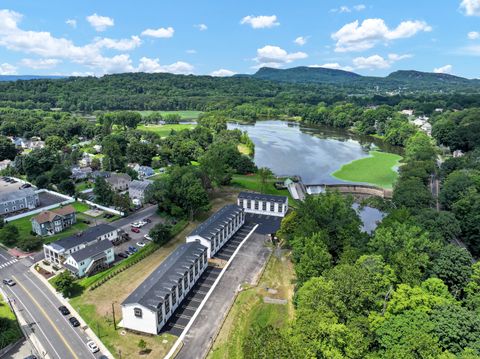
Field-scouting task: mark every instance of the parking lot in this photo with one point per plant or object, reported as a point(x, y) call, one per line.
point(266, 224)
point(182, 315)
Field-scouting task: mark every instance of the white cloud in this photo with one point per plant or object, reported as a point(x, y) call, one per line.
point(201, 27)
point(345, 9)
point(443, 70)
point(100, 23)
point(191, 51)
point(120, 45)
point(377, 61)
point(473, 50)
point(153, 65)
point(357, 37)
point(301, 40)
point(222, 73)
point(334, 66)
point(71, 22)
point(38, 64)
point(470, 7)
point(7, 69)
point(159, 33)
point(274, 56)
point(473, 35)
point(260, 22)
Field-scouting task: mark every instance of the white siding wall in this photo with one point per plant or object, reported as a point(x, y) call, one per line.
point(279, 209)
point(147, 323)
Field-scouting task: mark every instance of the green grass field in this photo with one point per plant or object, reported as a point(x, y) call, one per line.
point(378, 170)
point(11, 333)
point(164, 130)
point(253, 183)
point(184, 115)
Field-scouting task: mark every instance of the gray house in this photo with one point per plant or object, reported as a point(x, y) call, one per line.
point(48, 223)
point(18, 200)
point(137, 190)
point(119, 181)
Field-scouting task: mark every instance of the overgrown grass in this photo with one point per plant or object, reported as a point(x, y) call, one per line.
point(378, 169)
point(165, 130)
point(12, 333)
point(249, 309)
point(253, 182)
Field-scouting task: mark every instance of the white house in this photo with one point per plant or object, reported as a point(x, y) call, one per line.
point(91, 259)
point(148, 308)
point(266, 204)
point(58, 251)
point(219, 228)
point(137, 190)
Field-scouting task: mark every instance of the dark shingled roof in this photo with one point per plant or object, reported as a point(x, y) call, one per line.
point(216, 222)
point(151, 293)
point(92, 250)
point(262, 197)
point(86, 236)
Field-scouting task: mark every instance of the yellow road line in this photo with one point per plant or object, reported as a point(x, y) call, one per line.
point(47, 317)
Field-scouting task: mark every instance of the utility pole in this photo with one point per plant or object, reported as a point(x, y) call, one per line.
point(113, 313)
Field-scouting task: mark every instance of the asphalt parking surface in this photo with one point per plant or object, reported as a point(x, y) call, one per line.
point(266, 224)
point(182, 315)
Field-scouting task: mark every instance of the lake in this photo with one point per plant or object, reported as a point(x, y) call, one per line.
point(289, 148)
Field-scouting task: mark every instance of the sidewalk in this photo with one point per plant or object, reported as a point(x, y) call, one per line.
point(66, 303)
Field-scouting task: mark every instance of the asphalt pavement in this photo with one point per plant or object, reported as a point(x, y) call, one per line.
point(38, 306)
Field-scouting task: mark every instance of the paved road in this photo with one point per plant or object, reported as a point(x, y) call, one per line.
point(39, 307)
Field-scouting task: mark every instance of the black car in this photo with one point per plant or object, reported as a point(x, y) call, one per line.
point(74, 321)
point(8, 282)
point(148, 220)
point(64, 310)
point(31, 357)
point(122, 255)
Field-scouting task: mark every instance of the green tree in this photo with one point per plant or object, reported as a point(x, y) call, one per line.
point(56, 143)
point(7, 149)
point(64, 283)
point(103, 192)
point(161, 233)
point(122, 202)
point(9, 235)
point(412, 193)
point(67, 186)
point(265, 174)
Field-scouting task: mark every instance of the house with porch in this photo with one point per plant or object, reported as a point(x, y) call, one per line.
point(57, 252)
point(91, 259)
point(48, 223)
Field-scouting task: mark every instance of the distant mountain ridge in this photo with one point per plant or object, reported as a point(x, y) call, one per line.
point(401, 78)
point(29, 77)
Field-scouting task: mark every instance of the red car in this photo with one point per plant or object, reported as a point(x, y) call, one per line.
point(135, 230)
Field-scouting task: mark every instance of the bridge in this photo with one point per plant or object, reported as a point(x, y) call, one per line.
point(299, 190)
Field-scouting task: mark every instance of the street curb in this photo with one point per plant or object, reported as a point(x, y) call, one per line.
point(66, 303)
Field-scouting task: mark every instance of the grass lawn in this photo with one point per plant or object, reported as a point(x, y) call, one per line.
point(250, 309)
point(378, 169)
point(95, 306)
point(13, 333)
point(81, 186)
point(253, 183)
point(243, 149)
point(164, 130)
point(184, 115)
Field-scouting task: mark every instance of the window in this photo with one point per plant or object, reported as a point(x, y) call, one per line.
point(190, 279)
point(272, 207)
point(174, 295)
point(180, 289)
point(137, 312)
point(264, 206)
point(205, 256)
point(185, 280)
point(249, 204)
point(160, 315)
point(256, 204)
point(197, 264)
point(167, 304)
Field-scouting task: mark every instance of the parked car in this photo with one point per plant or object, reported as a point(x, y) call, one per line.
point(135, 230)
point(64, 310)
point(142, 223)
point(122, 255)
point(8, 282)
point(25, 185)
point(132, 249)
point(74, 322)
point(31, 357)
point(141, 244)
point(92, 346)
point(108, 215)
point(148, 238)
point(148, 220)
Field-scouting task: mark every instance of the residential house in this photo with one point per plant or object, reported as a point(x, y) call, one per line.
point(58, 251)
point(103, 174)
point(97, 148)
point(143, 171)
point(81, 173)
point(407, 112)
point(119, 181)
point(137, 190)
point(219, 228)
point(48, 223)
point(266, 204)
point(17, 200)
point(91, 259)
point(19, 142)
point(86, 160)
point(458, 153)
point(148, 308)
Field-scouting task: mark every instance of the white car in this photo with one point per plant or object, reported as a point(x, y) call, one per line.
point(92, 346)
point(142, 223)
point(148, 238)
point(141, 244)
point(136, 224)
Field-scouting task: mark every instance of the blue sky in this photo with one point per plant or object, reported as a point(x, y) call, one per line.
point(225, 37)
